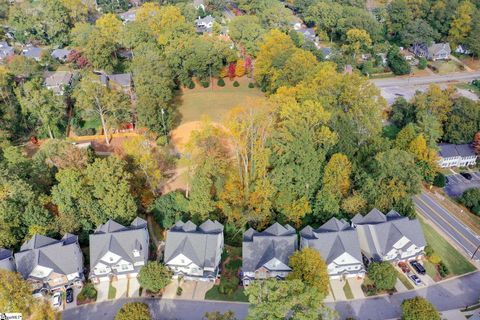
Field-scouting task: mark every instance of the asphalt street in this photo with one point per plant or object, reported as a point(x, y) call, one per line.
point(450, 294)
point(457, 184)
point(462, 235)
point(451, 77)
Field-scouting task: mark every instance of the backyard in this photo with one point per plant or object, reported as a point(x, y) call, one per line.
point(444, 67)
point(454, 261)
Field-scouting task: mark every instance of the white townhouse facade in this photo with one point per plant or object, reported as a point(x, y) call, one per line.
point(456, 155)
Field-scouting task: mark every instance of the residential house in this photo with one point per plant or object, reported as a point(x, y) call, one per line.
point(32, 52)
point(204, 25)
point(408, 55)
point(194, 253)
point(389, 237)
point(120, 81)
point(439, 51)
point(456, 155)
point(419, 49)
point(337, 243)
point(50, 264)
point(5, 50)
point(266, 253)
point(462, 49)
point(118, 251)
point(6, 260)
point(309, 35)
point(57, 81)
point(61, 54)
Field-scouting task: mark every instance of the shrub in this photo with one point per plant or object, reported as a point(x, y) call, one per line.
point(419, 308)
point(154, 276)
point(191, 84)
point(221, 82)
point(439, 180)
point(443, 270)
point(236, 84)
point(428, 251)
point(251, 85)
point(161, 141)
point(383, 275)
point(134, 310)
point(471, 200)
point(422, 63)
point(205, 83)
point(434, 258)
point(88, 293)
point(179, 291)
point(228, 283)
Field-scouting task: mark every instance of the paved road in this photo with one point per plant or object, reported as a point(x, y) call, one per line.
point(457, 184)
point(451, 294)
point(399, 82)
point(462, 235)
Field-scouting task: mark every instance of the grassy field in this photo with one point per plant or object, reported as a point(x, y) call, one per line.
point(403, 279)
point(215, 101)
point(431, 270)
point(470, 87)
point(454, 261)
point(444, 67)
point(348, 290)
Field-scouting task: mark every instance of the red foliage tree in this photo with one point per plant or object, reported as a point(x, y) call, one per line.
point(231, 71)
point(248, 66)
point(476, 143)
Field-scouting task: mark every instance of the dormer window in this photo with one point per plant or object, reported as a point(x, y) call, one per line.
point(136, 253)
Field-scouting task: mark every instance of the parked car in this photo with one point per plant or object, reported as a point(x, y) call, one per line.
point(69, 296)
point(404, 267)
point(416, 279)
point(466, 175)
point(417, 266)
point(57, 299)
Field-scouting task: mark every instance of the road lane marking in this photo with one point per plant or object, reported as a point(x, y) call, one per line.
point(447, 222)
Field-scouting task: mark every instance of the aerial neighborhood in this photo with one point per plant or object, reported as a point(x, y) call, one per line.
point(230, 160)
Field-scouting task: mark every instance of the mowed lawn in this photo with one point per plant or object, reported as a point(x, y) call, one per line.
point(455, 262)
point(215, 101)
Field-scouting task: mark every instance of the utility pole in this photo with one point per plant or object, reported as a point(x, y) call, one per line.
point(473, 255)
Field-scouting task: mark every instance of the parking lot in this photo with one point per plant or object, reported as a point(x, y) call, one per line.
point(457, 184)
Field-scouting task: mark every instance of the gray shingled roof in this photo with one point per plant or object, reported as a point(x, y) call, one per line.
point(199, 244)
point(258, 248)
point(6, 260)
point(32, 52)
point(332, 239)
point(437, 47)
point(120, 240)
point(63, 256)
point(5, 50)
point(377, 238)
point(448, 150)
point(58, 79)
point(60, 54)
point(122, 79)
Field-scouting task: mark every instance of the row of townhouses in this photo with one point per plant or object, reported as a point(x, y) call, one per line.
point(194, 252)
point(456, 155)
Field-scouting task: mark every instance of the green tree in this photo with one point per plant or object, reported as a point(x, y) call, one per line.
point(169, 208)
point(397, 62)
point(247, 30)
point(275, 300)
point(309, 267)
point(462, 122)
point(471, 200)
point(109, 106)
point(399, 17)
point(383, 275)
point(357, 39)
point(134, 311)
point(336, 177)
point(419, 308)
point(47, 110)
point(473, 39)
point(418, 31)
point(154, 276)
point(435, 101)
point(462, 23)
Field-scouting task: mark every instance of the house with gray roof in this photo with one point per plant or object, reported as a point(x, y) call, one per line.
point(309, 35)
point(119, 81)
point(265, 254)
point(57, 81)
point(456, 155)
point(337, 243)
point(389, 237)
point(50, 264)
point(60, 54)
point(5, 50)
point(439, 51)
point(204, 24)
point(118, 251)
point(6, 260)
point(32, 52)
point(194, 252)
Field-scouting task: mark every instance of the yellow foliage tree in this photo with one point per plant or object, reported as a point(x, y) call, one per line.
point(461, 24)
point(109, 25)
point(309, 267)
point(240, 68)
point(336, 177)
point(436, 101)
point(357, 39)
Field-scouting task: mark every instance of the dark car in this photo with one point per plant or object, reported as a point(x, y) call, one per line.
point(466, 175)
point(69, 297)
point(417, 266)
point(404, 267)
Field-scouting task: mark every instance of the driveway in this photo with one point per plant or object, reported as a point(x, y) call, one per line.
point(356, 286)
point(121, 285)
point(102, 290)
point(457, 184)
point(337, 289)
point(464, 237)
point(201, 289)
point(72, 304)
point(133, 288)
point(446, 295)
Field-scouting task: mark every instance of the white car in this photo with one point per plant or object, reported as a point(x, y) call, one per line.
point(57, 299)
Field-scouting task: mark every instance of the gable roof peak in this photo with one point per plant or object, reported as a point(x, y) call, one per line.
point(334, 225)
point(276, 229)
